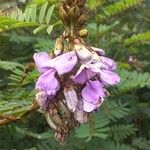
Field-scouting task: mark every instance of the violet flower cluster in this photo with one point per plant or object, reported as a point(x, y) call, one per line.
point(90, 72)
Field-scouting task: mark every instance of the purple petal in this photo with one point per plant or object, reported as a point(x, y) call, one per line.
point(93, 91)
point(42, 60)
point(98, 50)
point(109, 77)
point(108, 63)
point(88, 107)
point(82, 75)
point(48, 83)
point(94, 67)
point(64, 63)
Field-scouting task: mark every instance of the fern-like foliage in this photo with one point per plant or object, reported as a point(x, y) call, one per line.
point(114, 110)
point(19, 100)
point(110, 145)
point(132, 80)
point(118, 7)
point(29, 18)
point(102, 29)
point(12, 66)
point(121, 132)
point(97, 127)
point(138, 39)
point(141, 143)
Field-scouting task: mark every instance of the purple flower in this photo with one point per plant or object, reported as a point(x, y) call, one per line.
point(83, 74)
point(48, 68)
point(48, 83)
point(99, 51)
point(108, 63)
point(95, 72)
point(103, 68)
point(109, 77)
point(42, 60)
point(99, 68)
point(88, 107)
point(64, 63)
point(92, 95)
point(93, 91)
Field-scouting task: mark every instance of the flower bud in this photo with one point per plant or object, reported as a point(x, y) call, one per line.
point(71, 12)
point(59, 46)
point(83, 33)
point(66, 34)
point(82, 19)
point(63, 15)
point(83, 53)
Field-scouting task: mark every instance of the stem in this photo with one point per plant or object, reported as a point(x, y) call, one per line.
point(91, 122)
point(97, 28)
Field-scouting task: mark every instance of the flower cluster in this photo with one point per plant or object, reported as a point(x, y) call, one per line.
point(81, 75)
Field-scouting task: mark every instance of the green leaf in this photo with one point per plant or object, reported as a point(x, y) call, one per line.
point(121, 132)
point(49, 14)
point(27, 14)
point(24, 24)
point(42, 12)
point(33, 12)
point(49, 29)
point(96, 127)
point(39, 29)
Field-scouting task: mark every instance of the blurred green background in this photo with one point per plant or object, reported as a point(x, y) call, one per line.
point(122, 29)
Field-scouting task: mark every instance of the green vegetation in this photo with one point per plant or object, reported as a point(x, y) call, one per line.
point(122, 29)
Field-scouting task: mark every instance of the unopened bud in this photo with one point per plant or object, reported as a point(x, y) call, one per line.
point(83, 53)
point(82, 19)
point(63, 15)
point(59, 46)
point(71, 12)
point(83, 33)
point(66, 34)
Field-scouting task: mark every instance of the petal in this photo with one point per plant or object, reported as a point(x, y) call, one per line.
point(71, 98)
point(96, 58)
point(42, 99)
point(42, 60)
point(84, 54)
point(100, 102)
point(64, 63)
point(98, 50)
point(109, 77)
point(88, 107)
point(48, 83)
point(95, 67)
point(82, 75)
point(80, 115)
point(108, 63)
point(93, 91)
